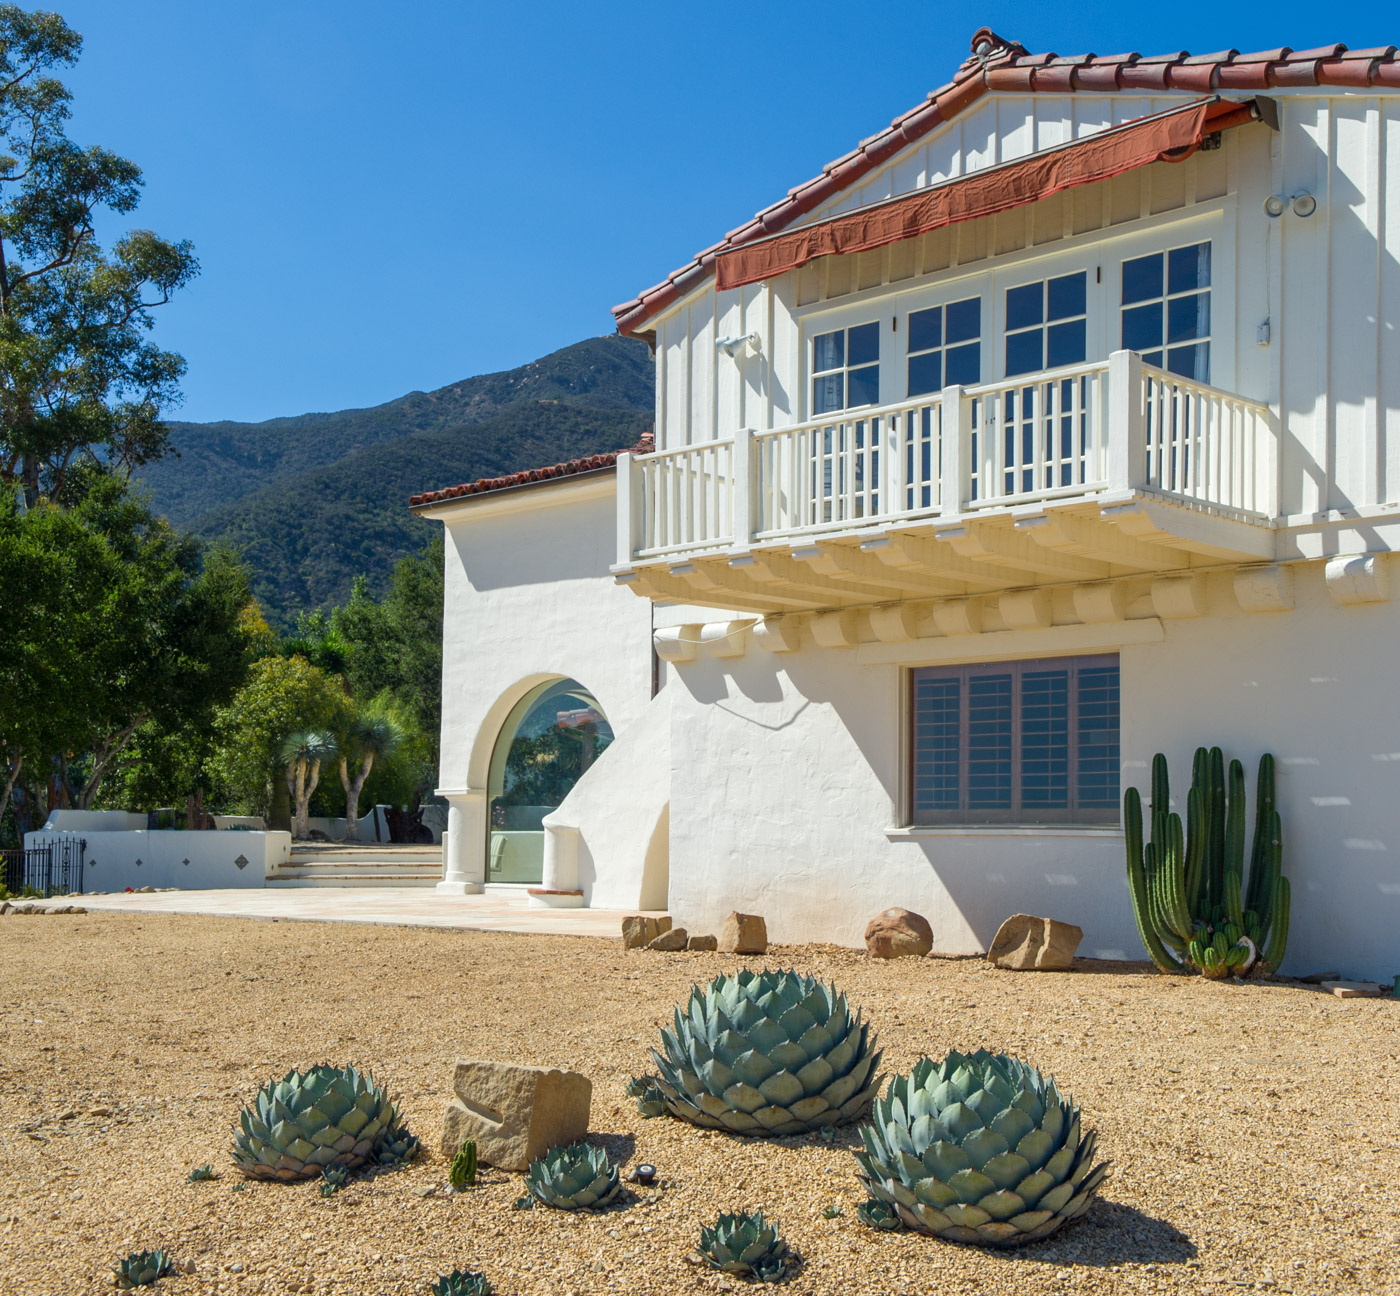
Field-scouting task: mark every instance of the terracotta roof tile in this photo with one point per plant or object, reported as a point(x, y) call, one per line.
point(485, 485)
point(1007, 66)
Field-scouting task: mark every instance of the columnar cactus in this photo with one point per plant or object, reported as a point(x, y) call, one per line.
point(1192, 906)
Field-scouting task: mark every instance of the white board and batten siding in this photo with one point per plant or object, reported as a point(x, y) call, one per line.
point(1328, 285)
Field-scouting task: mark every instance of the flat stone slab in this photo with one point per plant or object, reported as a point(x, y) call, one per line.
point(515, 1113)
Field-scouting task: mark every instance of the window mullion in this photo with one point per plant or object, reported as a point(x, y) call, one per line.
point(1017, 703)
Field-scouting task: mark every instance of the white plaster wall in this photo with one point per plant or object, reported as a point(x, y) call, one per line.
point(619, 811)
point(91, 821)
point(193, 861)
point(528, 598)
point(786, 777)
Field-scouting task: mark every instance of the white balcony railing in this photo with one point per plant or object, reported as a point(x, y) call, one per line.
point(1080, 430)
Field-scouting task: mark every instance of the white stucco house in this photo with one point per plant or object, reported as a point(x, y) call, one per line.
point(1056, 425)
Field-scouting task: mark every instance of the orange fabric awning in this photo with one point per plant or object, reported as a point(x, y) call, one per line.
point(1167, 136)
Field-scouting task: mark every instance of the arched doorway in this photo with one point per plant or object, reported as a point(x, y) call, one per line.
point(549, 740)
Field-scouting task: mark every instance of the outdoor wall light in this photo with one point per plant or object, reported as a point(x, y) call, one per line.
point(1303, 204)
point(732, 346)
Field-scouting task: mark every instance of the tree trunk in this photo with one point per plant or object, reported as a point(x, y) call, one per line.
point(279, 813)
point(306, 788)
point(353, 788)
point(11, 778)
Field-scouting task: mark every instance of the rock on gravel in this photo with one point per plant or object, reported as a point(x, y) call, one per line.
point(744, 934)
point(1024, 943)
point(898, 933)
point(515, 1113)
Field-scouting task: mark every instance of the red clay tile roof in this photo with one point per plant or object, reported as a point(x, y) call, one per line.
point(573, 468)
point(998, 64)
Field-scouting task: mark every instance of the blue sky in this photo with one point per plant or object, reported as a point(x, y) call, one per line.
point(392, 197)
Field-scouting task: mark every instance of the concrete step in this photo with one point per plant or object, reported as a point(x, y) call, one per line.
point(351, 863)
point(377, 879)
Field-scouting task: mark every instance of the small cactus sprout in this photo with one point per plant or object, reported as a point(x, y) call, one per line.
point(142, 1268)
point(877, 1215)
point(461, 1282)
point(746, 1244)
point(200, 1173)
point(333, 1179)
point(462, 1172)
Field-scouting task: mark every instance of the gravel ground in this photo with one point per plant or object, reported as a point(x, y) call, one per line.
point(1254, 1131)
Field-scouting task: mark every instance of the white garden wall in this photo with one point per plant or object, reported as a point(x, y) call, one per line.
point(187, 860)
point(787, 771)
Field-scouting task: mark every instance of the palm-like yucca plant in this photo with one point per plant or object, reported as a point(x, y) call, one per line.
point(141, 1268)
point(308, 1121)
point(746, 1244)
point(768, 1052)
point(577, 1177)
point(979, 1148)
point(303, 753)
point(366, 739)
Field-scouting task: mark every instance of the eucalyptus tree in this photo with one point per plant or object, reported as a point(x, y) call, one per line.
point(80, 380)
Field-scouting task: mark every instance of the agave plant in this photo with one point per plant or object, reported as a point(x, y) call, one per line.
point(979, 1148)
point(333, 1179)
point(461, 1282)
point(577, 1177)
point(768, 1052)
point(874, 1213)
point(141, 1268)
point(398, 1147)
point(307, 1121)
point(746, 1244)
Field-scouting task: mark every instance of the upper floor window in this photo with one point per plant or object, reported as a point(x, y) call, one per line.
point(1027, 742)
point(1166, 310)
point(945, 346)
point(1046, 324)
point(846, 368)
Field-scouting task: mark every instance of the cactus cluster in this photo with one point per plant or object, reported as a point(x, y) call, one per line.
point(462, 1172)
point(1193, 907)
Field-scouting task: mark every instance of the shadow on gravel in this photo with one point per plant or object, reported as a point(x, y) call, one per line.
point(619, 1147)
point(1110, 1234)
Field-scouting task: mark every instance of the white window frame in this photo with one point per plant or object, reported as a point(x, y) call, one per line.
point(1100, 252)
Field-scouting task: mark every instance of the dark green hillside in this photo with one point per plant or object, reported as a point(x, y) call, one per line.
point(222, 462)
point(308, 536)
point(316, 500)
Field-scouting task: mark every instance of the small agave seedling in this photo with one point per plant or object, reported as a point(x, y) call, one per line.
point(878, 1215)
point(462, 1172)
point(832, 1212)
point(461, 1282)
point(333, 1180)
point(578, 1177)
point(200, 1173)
point(523, 1203)
point(141, 1268)
point(746, 1244)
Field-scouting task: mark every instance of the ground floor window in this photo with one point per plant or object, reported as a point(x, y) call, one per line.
point(1027, 742)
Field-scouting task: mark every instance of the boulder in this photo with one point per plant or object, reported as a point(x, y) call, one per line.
point(744, 934)
point(898, 932)
point(639, 931)
point(674, 938)
point(515, 1113)
point(702, 943)
point(1024, 943)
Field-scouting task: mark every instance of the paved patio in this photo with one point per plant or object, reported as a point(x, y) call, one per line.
point(499, 909)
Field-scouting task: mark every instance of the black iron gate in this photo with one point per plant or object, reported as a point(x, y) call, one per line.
point(52, 868)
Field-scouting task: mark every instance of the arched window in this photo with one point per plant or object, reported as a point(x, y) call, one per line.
point(548, 742)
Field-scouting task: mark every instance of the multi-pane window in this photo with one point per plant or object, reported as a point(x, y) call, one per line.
point(1166, 309)
point(945, 346)
point(846, 368)
point(1046, 324)
point(1026, 742)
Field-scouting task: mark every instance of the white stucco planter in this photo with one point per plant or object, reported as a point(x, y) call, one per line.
point(197, 861)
